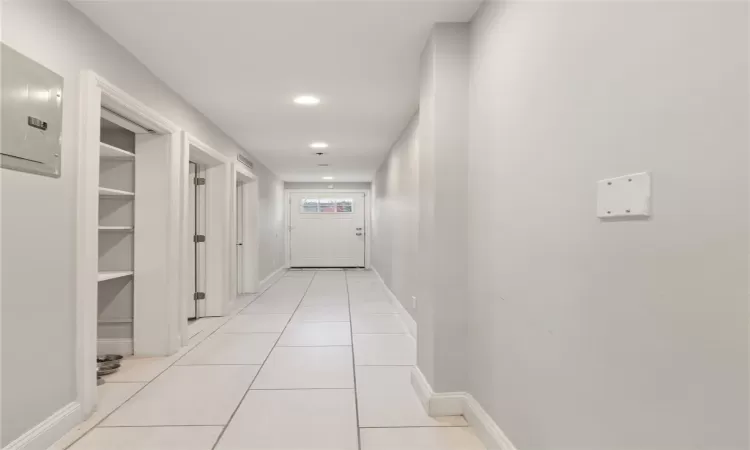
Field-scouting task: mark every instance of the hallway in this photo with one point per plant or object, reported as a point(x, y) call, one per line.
point(278, 374)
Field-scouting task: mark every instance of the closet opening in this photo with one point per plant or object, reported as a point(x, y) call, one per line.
point(116, 240)
point(127, 254)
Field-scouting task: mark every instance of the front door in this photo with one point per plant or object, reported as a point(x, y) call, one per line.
point(327, 230)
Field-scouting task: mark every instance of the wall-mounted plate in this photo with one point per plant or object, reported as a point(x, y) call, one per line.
point(626, 196)
point(31, 115)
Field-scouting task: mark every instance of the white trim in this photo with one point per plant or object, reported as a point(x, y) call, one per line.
point(215, 166)
point(406, 318)
point(270, 279)
point(241, 174)
point(460, 403)
point(288, 220)
point(486, 429)
point(116, 346)
point(422, 388)
point(96, 92)
point(50, 430)
point(128, 125)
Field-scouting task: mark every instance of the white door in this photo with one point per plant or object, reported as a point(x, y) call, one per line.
point(239, 240)
point(196, 307)
point(327, 230)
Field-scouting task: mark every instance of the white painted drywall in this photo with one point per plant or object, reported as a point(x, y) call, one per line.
point(395, 217)
point(592, 335)
point(420, 208)
point(442, 305)
point(39, 213)
point(271, 227)
point(324, 185)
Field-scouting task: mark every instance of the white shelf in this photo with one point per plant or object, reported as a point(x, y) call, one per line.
point(107, 151)
point(107, 192)
point(101, 228)
point(104, 276)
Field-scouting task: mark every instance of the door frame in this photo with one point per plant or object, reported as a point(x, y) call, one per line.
point(251, 234)
point(288, 219)
point(196, 222)
point(216, 168)
point(156, 328)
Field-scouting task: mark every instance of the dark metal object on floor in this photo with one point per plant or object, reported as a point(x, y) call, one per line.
point(107, 364)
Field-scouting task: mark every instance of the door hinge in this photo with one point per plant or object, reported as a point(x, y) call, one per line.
point(199, 238)
point(199, 296)
point(199, 181)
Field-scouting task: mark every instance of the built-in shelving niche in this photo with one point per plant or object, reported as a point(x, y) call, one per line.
point(116, 239)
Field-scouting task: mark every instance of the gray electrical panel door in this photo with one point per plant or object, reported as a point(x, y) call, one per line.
point(31, 115)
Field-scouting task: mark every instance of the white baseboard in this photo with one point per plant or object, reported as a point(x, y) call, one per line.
point(460, 403)
point(120, 346)
point(50, 430)
point(271, 278)
point(408, 320)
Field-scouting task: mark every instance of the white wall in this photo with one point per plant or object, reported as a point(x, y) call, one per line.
point(271, 234)
point(39, 213)
point(420, 209)
point(442, 304)
point(592, 335)
point(321, 185)
point(395, 217)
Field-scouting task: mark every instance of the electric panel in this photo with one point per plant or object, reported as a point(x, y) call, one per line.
point(31, 115)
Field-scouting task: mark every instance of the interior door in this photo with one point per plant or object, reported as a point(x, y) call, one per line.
point(327, 229)
point(196, 306)
point(239, 238)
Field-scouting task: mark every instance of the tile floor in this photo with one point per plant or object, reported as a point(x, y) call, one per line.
point(319, 361)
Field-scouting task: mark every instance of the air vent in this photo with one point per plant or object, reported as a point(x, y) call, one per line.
point(322, 165)
point(245, 161)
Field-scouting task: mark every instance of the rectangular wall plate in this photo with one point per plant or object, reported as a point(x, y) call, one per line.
point(626, 196)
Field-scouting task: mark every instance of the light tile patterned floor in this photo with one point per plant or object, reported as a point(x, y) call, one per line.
point(284, 373)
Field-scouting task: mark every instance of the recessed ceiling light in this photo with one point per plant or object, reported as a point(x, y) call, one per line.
point(319, 145)
point(307, 100)
point(328, 178)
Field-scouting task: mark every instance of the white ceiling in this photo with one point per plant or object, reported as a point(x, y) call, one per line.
point(242, 62)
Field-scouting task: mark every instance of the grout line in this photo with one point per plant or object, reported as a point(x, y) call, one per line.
point(390, 334)
point(418, 426)
point(160, 426)
point(250, 332)
point(218, 439)
point(304, 389)
point(385, 365)
point(381, 334)
point(313, 346)
point(354, 366)
point(217, 364)
point(167, 368)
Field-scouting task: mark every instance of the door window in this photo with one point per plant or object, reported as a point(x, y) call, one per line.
point(326, 205)
point(309, 205)
point(344, 205)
